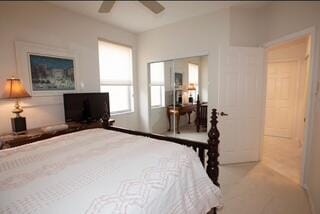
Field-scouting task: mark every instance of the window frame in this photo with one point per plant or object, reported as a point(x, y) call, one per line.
point(130, 99)
point(162, 96)
point(130, 87)
point(196, 84)
point(162, 88)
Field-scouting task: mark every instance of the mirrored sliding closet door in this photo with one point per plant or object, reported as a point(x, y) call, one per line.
point(178, 98)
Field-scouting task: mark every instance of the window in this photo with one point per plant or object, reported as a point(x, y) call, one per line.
point(193, 74)
point(157, 84)
point(115, 64)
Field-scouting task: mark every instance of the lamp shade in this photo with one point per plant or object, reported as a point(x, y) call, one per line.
point(191, 87)
point(14, 89)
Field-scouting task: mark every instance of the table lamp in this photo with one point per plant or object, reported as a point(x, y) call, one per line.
point(15, 90)
point(191, 87)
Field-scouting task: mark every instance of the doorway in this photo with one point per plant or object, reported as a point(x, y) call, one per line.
point(288, 71)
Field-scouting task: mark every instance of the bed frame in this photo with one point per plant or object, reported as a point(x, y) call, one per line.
point(211, 148)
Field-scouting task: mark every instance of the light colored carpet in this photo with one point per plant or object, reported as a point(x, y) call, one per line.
point(284, 156)
point(268, 187)
point(189, 132)
point(257, 189)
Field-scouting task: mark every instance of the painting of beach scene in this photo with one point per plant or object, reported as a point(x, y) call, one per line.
point(51, 73)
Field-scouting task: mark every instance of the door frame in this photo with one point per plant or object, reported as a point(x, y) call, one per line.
point(311, 97)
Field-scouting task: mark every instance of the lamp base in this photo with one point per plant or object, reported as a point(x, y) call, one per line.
point(19, 125)
point(17, 109)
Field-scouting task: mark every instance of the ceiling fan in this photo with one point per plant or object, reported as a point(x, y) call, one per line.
point(154, 6)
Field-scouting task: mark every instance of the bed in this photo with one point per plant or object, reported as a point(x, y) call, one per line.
point(111, 170)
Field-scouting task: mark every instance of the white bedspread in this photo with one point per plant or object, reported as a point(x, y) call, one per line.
point(101, 171)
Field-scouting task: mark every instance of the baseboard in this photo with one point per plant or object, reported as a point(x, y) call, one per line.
point(311, 202)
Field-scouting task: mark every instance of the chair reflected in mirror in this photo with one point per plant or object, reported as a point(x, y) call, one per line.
point(202, 115)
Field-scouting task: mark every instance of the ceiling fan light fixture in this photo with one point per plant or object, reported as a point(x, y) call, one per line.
point(106, 6)
point(154, 6)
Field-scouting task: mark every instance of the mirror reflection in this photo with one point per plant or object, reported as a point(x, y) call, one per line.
point(178, 97)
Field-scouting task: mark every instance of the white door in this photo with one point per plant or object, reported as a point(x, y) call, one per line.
point(281, 100)
point(241, 90)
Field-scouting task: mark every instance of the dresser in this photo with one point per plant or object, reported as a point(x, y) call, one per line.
point(11, 140)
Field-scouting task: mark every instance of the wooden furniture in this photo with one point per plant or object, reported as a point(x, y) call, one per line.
point(32, 135)
point(201, 115)
point(177, 111)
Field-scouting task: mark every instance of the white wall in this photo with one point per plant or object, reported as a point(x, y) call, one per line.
point(204, 79)
point(50, 25)
point(313, 179)
point(247, 26)
point(159, 120)
point(194, 37)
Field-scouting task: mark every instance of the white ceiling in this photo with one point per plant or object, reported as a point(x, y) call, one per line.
point(134, 17)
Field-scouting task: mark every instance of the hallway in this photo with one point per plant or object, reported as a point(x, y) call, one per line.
point(284, 156)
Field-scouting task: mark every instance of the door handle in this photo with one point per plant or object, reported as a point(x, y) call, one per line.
point(223, 114)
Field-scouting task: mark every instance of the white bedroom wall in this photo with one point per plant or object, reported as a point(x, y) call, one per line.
point(198, 36)
point(247, 26)
point(46, 24)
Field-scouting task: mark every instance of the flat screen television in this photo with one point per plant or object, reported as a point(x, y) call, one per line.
point(85, 107)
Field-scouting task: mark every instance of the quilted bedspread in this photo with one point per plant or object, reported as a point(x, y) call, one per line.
point(102, 171)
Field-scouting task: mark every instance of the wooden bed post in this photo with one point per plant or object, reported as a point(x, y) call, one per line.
point(213, 151)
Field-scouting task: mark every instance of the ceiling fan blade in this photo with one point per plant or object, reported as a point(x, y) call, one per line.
point(106, 6)
point(154, 6)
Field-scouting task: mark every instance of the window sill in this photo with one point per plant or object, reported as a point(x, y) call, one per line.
point(121, 113)
point(157, 107)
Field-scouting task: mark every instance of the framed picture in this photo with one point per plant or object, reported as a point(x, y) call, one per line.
point(51, 73)
point(178, 79)
point(46, 71)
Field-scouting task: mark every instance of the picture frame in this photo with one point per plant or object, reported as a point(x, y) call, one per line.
point(25, 71)
point(178, 80)
point(50, 73)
